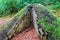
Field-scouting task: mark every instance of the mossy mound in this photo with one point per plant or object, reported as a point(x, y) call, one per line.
point(48, 20)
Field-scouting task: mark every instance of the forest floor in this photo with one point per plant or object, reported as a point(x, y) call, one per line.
point(4, 21)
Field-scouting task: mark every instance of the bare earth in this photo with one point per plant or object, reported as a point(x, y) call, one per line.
point(4, 21)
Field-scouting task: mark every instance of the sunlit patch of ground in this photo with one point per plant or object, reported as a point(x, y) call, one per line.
point(4, 21)
point(57, 12)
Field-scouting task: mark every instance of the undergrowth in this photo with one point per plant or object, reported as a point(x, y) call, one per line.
point(13, 6)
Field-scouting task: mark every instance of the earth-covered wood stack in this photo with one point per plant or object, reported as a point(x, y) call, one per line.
point(46, 23)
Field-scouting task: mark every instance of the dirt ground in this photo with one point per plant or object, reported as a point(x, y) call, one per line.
point(4, 21)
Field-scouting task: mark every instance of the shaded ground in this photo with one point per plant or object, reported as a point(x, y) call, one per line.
point(28, 34)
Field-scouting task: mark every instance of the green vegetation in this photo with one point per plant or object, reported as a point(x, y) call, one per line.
point(13, 6)
point(55, 6)
point(49, 21)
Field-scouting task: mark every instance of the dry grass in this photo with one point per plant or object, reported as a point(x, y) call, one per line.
point(57, 12)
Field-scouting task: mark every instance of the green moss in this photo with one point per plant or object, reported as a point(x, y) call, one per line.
point(49, 21)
